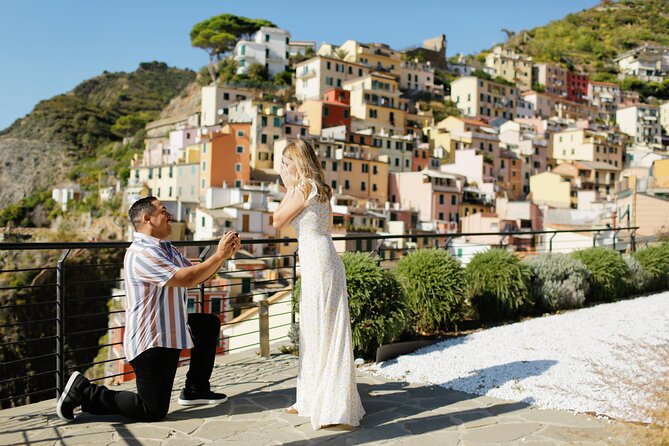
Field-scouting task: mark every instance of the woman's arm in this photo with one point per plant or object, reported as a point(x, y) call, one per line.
point(289, 208)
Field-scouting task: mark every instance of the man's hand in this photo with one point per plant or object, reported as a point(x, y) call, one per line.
point(228, 245)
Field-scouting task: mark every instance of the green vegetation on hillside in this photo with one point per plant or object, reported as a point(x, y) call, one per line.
point(90, 122)
point(590, 39)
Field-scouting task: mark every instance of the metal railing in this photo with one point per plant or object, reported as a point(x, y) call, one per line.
point(61, 303)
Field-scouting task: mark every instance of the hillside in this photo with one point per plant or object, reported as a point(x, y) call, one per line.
point(83, 127)
point(590, 39)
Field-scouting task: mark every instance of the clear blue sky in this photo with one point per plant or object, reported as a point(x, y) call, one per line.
point(48, 46)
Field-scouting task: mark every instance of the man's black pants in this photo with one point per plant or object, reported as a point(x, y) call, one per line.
point(155, 369)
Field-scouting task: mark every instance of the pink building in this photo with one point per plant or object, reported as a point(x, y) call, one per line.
point(436, 194)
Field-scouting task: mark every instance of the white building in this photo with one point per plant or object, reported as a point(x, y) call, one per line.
point(269, 48)
point(167, 182)
point(649, 63)
point(216, 102)
point(664, 117)
point(321, 73)
point(641, 122)
point(66, 193)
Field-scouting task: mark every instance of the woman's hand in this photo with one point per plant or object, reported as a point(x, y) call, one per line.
point(289, 180)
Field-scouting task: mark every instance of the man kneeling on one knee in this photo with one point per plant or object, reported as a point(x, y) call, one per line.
point(157, 328)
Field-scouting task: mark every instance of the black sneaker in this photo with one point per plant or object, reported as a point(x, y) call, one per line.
point(190, 398)
point(71, 397)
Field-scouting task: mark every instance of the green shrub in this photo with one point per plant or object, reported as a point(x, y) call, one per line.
point(558, 281)
point(498, 285)
point(639, 280)
point(377, 303)
point(435, 284)
point(655, 261)
point(607, 271)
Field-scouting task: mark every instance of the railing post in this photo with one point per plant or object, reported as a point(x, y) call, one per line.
point(633, 240)
point(263, 322)
point(60, 319)
point(550, 242)
point(594, 239)
point(292, 296)
point(203, 255)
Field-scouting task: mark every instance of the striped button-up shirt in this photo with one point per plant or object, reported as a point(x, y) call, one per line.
point(155, 314)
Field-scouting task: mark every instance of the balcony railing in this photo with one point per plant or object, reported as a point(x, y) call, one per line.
point(61, 304)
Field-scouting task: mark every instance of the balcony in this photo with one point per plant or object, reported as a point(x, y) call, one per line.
point(306, 74)
point(71, 308)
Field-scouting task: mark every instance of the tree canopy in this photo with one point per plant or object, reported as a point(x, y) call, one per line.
point(219, 34)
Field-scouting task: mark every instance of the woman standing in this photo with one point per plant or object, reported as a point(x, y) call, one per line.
point(326, 387)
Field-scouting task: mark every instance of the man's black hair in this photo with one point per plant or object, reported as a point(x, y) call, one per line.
point(139, 208)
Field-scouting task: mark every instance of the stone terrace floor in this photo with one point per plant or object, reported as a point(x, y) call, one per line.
point(397, 414)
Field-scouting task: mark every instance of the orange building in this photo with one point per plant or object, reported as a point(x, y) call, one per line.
point(225, 158)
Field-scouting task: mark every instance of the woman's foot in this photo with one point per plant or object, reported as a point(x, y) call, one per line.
point(291, 410)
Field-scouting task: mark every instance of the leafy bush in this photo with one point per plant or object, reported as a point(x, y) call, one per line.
point(558, 281)
point(435, 284)
point(639, 279)
point(498, 284)
point(607, 270)
point(655, 261)
point(377, 302)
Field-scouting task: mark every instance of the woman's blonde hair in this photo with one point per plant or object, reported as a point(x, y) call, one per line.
point(302, 153)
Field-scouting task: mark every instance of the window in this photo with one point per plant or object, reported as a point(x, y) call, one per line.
point(170, 173)
point(226, 96)
point(243, 50)
point(202, 222)
point(202, 184)
point(240, 133)
point(375, 170)
point(289, 130)
point(365, 168)
point(453, 199)
point(263, 138)
point(363, 186)
point(328, 65)
point(326, 111)
point(277, 122)
point(266, 37)
point(346, 185)
point(303, 131)
point(240, 149)
point(374, 188)
point(169, 192)
point(345, 114)
point(373, 113)
point(323, 165)
point(329, 81)
point(441, 215)
point(238, 167)
point(267, 53)
point(263, 121)
point(204, 166)
point(441, 198)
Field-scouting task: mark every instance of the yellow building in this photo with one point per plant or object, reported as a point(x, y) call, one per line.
point(481, 97)
point(511, 65)
point(660, 173)
point(550, 189)
point(588, 145)
point(376, 103)
point(377, 56)
point(465, 133)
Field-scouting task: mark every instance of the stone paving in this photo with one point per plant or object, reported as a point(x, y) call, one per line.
point(397, 414)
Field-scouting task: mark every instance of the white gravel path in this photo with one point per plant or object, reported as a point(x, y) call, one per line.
point(588, 360)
